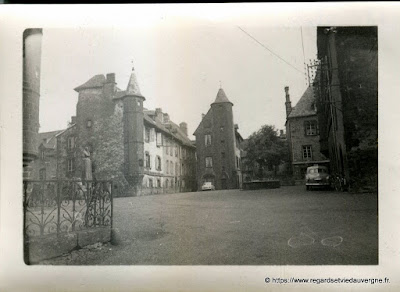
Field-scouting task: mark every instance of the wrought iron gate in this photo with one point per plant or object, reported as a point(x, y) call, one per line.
point(58, 206)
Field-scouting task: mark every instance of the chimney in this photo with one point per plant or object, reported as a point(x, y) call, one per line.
point(202, 116)
point(73, 120)
point(288, 103)
point(281, 132)
point(165, 118)
point(111, 78)
point(236, 127)
point(183, 127)
point(109, 86)
point(159, 114)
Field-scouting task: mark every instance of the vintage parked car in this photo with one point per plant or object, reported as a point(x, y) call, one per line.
point(207, 186)
point(317, 176)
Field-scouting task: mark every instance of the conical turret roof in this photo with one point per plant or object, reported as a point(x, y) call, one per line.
point(221, 97)
point(133, 86)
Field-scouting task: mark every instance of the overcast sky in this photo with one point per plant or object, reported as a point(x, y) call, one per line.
point(179, 68)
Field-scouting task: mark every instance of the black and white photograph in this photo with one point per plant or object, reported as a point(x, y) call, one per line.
point(219, 141)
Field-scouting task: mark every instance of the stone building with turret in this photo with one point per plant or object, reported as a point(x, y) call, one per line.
point(142, 151)
point(218, 146)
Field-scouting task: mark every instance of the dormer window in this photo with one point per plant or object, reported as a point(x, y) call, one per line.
point(71, 142)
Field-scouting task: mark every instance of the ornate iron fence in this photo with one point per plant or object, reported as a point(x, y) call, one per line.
point(56, 206)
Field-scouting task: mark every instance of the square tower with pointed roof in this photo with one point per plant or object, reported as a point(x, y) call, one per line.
point(218, 146)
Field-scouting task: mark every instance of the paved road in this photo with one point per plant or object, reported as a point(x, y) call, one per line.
point(286, 226)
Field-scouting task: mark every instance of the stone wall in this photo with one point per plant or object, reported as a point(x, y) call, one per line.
point(108, 150)
point(300, 139)
point(53, 245)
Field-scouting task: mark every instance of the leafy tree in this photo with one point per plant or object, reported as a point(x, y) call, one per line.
point(265, 147)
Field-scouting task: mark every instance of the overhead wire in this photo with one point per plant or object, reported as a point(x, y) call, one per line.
point(304, 57)
point(273, 53)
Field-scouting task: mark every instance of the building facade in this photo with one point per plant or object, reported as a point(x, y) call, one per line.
point(302, 134)
point(218, 146)
point(347, 98)
point(142, 151)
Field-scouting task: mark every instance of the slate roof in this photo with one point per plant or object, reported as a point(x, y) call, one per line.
point(94, 82)
point(169, 128)
point(133, 86)
point(119, 94)
point(304, 106)
point(48, 139)
point(221, 97)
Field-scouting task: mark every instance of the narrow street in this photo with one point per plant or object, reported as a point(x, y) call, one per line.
point(285, 226)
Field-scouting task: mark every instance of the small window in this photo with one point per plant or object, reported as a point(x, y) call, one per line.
point(176, 151)
point(147, 157)
point(208, 161)
point(207, 140)
point(147, 135)
point(167, 166)
point(88, 123)
point(223, 155)
point(150, 183)
point(42, 154)
point(158, 163)
point(222, 141)
point(159, 139)
point(71, 165)
point(222, 128)
point(158, 183)
point(307, 152)
point(71, 142)
point(311, 128)
point(139, 103)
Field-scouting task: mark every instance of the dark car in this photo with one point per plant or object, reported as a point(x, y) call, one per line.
point(317, 176)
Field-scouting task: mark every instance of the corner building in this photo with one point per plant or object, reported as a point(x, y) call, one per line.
point(302, 132)
point(218, 146)
point(140, 150)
